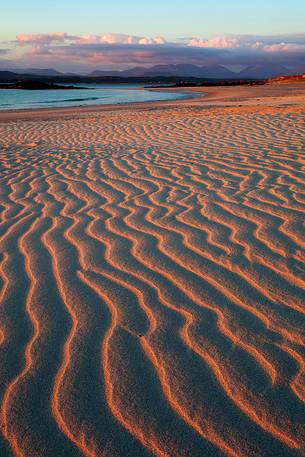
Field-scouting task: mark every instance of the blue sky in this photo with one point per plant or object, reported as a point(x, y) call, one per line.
point(172, 19)
point(78, 35)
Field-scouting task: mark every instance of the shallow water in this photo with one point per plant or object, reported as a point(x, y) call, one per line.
point(96, 95)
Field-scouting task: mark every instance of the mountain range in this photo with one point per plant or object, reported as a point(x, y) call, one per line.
point(185, 70)
point(259, 71)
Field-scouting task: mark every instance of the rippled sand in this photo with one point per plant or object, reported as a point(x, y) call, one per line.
point(152, 273)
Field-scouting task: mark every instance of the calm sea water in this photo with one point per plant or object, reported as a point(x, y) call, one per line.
point(96, 95)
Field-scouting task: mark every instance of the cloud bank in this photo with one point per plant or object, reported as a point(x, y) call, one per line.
point(107, 38)
point(115, 50)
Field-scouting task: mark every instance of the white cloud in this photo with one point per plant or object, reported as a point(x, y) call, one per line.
point(293, 43)
point(285, 47)
point(107, 38)
point(43, 38)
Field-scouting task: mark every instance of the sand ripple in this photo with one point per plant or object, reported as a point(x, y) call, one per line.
point(152, 284)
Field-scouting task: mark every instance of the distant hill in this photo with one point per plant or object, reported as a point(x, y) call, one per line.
point(259, 71)
point(36, 71)
point(263, 71)
point(217, 71)
point(158, 74)
point(8, 76)
point(182, 70)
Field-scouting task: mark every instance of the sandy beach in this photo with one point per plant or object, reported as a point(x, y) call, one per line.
point(152, 277)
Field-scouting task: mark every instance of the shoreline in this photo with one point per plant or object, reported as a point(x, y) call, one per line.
point(189, 95)
point(275, 94)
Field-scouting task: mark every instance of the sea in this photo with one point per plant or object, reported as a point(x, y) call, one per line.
point(97, 94)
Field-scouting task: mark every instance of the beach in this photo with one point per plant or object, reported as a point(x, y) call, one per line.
point(152, 277)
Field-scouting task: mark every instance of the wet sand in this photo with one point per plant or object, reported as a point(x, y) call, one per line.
point(152, 277)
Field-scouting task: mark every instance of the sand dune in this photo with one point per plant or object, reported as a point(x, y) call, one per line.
point(152, 283)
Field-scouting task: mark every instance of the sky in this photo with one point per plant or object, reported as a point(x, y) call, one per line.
point(119, 34)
